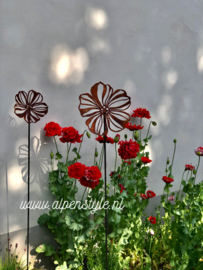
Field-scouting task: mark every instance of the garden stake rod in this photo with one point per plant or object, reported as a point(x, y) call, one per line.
point(105, 188)
point(30, 107)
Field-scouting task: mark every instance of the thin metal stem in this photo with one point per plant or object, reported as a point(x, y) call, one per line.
point(28, 198)
point(105, 189)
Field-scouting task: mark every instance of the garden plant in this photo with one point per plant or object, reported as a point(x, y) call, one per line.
point(170, 238)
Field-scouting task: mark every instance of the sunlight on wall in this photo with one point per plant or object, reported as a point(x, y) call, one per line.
point(166, 55)
point(15, 179)
point(99, 45)
point(170, 78)
point(96, 18)
point(200, 60)
point(67, 66)
point(162, 114)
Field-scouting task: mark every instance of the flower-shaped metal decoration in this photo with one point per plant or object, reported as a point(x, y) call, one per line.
point(105, 109)
point(30, 106)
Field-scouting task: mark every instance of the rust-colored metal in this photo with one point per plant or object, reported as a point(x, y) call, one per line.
point(30, 106)
point(109, 107)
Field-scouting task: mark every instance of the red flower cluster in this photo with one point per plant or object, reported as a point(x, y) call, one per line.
point(91, 177)
point(87, 176)
point(76, 170)
point(128, 149)
point(150, 194)
point(146, 160)
point(70, 134)
point(189, 167)
point(100, 139)
point(52, 129)
point(134, 127)
point(142, 113)
point(167, 180)
point(152, 220)
point(122, 188)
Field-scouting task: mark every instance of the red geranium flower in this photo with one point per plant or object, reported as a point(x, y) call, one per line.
point(134, 127)
point(150, 194)
point(112, 173)
point(144, 197)
point(128, 162)
point(152, 220)
point(70, 134)
point(141, 112)
point(108, 139)
point(128, 149)
point(76, 170)
point(189, 167)
point(52, 129)
point(146, 160)
point(167, 180)
point(91, 177)
point(122, 188)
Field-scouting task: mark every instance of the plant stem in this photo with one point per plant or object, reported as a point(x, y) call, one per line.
point(140, 129)
point(56, 144)
point(81, 142)
point(67, 154)
point(52, 165)
point(116, 157)
point(173, 157)
point(150, 245)
point(148, 129)
point(197, 168)
point(181, 183)
point(84, 193)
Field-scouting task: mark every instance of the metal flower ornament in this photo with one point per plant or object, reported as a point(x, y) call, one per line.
point(105, 109)
point(31, 108)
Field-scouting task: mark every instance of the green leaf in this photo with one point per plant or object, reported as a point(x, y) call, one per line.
point(177, 212)
point(43, 219)
point(62, 267)
point(75, 150)
point(49, 251)
point(76, 227)
point(41, 249)
point(58, 156)
point(62, 167)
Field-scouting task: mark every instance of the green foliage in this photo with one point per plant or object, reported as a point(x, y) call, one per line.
point(176, 242)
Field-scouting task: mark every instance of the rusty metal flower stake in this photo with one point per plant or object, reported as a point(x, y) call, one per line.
point(105, 109)
point(30, 107)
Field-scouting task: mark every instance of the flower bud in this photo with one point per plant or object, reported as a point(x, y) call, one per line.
point(117, 138)
point(168, 161)
point(51, 155)
point(154, 123)
point(96, 153)
point(126, 136)
point(136, 135)
point(175, 141)
point(88, 135)
point(194, 172)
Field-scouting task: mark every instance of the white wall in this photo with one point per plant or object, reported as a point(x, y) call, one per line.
point(152, 49)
